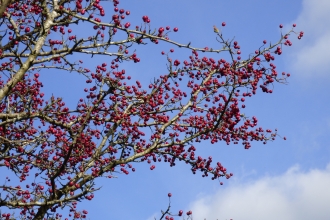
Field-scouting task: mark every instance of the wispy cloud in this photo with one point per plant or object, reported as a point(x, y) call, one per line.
point(293, 195)
point(312, 57)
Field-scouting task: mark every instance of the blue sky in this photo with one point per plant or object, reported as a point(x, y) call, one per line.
point(281, 180)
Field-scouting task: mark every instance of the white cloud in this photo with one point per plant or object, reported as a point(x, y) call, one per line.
point(311, 56)
point(313, 60)
point(295, 195)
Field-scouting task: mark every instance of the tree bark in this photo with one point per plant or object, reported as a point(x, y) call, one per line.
point(4, 5)
point(29, 61)
point(41, 213)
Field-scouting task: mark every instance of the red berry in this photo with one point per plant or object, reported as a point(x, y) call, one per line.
point(175, 29)
point(223, 24)
point(127, 25)
point(145, 18)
